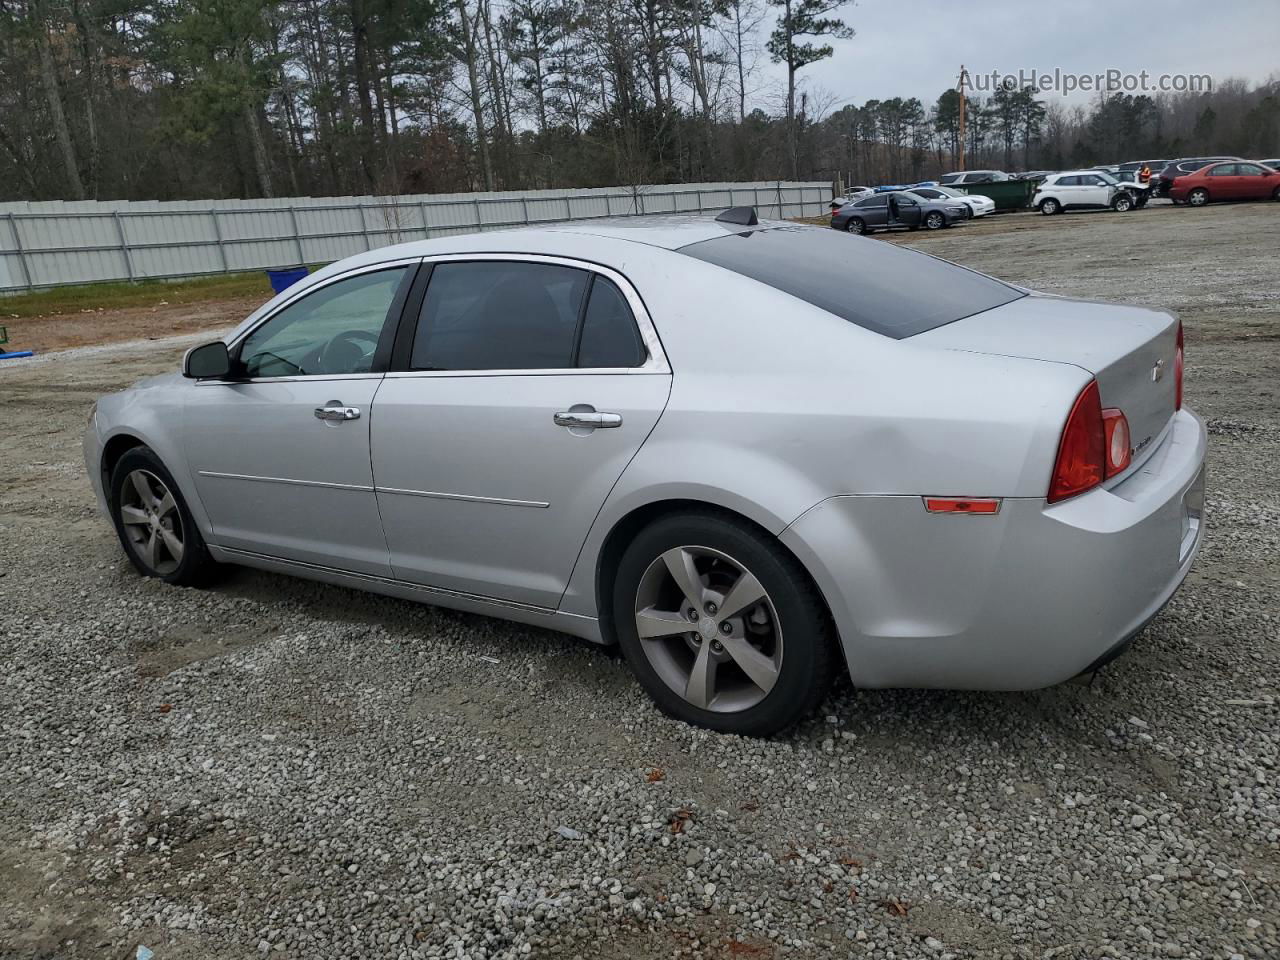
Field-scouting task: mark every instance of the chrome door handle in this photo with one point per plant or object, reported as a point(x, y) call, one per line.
point(335, 411)
point(587, 418)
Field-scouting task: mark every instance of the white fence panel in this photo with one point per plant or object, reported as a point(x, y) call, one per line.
point(54, 242)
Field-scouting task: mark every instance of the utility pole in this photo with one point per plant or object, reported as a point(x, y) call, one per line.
point(960, 85)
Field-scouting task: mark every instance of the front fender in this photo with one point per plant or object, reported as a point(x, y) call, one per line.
point(153, 415)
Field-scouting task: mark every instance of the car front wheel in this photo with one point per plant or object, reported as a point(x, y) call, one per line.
point(722, 627)
point(153, 522)
point(1198, 197)
point(935, 221)
point(1123, 203)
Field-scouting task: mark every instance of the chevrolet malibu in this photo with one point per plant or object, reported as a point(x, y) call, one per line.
point(694, 438)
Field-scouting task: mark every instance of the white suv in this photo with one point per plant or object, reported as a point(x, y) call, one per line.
point(1081, 190)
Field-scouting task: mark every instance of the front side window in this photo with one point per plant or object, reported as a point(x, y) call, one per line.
point(1248, 170)
point(332, 331)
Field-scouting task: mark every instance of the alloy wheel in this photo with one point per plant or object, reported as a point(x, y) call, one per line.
point(152, 522)
point(855, 226)
point(1198, 198)
point(709, 629)
point(934, 221)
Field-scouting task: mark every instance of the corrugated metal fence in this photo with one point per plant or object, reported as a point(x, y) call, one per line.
point(66, 242)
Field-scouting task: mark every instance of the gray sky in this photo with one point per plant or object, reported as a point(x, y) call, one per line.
point(915, 47)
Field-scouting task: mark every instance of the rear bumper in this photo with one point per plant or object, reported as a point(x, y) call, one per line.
point(1027, 598)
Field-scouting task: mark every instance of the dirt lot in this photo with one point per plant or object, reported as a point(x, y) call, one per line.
point(277, 767)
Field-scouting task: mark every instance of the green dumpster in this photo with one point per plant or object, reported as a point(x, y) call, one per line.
point(1005, 194)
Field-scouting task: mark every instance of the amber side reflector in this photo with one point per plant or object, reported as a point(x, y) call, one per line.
point(962, 504)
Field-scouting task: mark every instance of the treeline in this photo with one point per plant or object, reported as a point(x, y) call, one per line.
point(171, 99)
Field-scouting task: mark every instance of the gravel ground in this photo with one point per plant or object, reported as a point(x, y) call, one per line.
point(273, 767)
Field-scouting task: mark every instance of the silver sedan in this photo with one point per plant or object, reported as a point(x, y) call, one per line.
point(753, 454)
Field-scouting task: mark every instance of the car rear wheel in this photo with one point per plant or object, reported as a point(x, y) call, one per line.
point(935, 221)
point(1275, 194)
point(856, 225)
point(1198, 197)
point(1049, 206)
point(1123, 203)
point(722, 627)
point(153, 523)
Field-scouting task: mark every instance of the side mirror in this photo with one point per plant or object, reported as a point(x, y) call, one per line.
point(207, 361)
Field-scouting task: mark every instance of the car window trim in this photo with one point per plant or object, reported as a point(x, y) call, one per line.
point(395, 316)
point(655, 363)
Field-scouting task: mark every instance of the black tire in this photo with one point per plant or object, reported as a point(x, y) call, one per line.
point(935, 221)
point(195, 566)
point(1122, 203)
point(1198, 197)
point(1049, 206)
point(1275, 194)
point(856, 225)
point(804, 674)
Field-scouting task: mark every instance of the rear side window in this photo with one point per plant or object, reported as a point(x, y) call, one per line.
point(499, 315)
point(877, 201)
point(884, 288)
point(609, 334)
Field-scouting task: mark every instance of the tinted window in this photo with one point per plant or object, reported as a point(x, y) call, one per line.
point(332, 331)
point(609, 334)
point(930, 194)
point(498, 315)
point(1248, 170)
point(1068, 181)
point(877, 201)
point(879, 286)
point(1223, 170)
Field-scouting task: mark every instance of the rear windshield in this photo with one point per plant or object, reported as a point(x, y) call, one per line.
point(879, 286)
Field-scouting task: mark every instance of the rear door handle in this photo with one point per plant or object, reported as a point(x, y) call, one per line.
point(337, 412)
point(588, 418)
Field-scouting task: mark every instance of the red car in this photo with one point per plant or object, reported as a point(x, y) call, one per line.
point(1226, 181)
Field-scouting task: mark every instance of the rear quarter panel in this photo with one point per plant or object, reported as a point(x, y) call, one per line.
point(777, 405)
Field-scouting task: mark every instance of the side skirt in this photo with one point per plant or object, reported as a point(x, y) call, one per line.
point(588, 628)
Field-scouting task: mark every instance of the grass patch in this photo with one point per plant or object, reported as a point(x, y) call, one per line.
point(91, 297)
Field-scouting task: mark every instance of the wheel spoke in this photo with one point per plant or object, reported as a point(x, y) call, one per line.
point(132, 515)
point(651, 623)
point(746, 592)
point(166, 504)
point(679, 563)
point(701, 689)
point(151, 550)
point(758, 668)
point(141, 485)
point(171, 543)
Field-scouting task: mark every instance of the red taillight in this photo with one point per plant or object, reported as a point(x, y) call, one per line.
point(1116, 428)
point(1177, 371)
point(1081, 463)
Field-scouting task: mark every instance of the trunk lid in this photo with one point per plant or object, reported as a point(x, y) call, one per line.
point(1129, 350)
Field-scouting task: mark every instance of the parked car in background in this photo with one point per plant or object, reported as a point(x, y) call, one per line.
point(1234, 180)
point(1161, 181)
point(1033, 174)
point(950, 482)
point(1081, 190)
point(972, 176)
point(1129, 179)
point(872, 214)
point(853, 193)
point(979, 206)
point(1274, 163)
